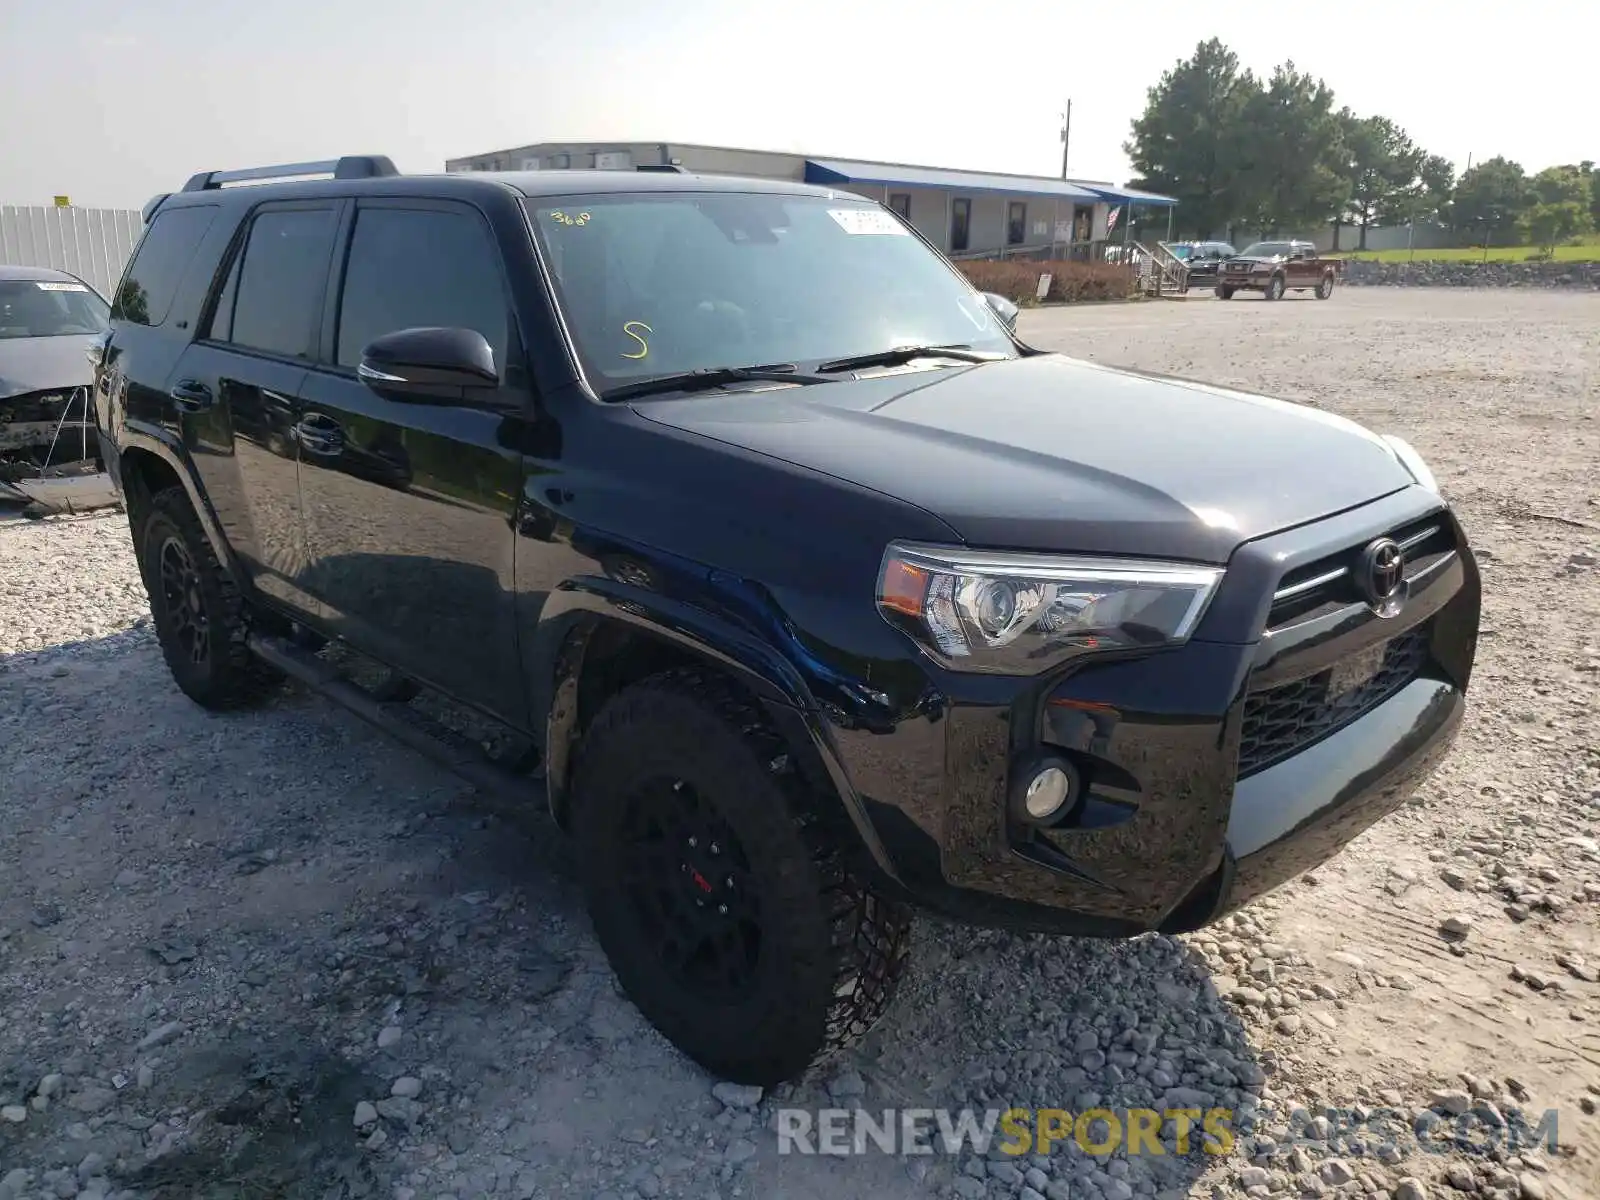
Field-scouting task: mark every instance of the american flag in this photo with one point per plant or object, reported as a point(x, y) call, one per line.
point(1111, 220)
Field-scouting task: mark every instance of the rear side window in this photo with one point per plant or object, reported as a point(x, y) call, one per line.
point(414, 267)
point(277, 297)
point(168, 247)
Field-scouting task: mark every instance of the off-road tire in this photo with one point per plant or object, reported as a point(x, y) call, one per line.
point(830, 952)
point(227, 676)
point(1275, 288)
point(1325, 286)
point(1224, 293)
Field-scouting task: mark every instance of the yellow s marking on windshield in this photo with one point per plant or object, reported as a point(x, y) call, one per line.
point(644, 346)
point(565, 218)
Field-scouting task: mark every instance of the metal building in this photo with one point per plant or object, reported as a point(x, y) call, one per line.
point(968, 214)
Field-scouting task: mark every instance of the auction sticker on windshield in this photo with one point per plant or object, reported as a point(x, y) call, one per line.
point(866, 220)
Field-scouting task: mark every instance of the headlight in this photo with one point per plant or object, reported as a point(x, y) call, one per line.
point(1412, 461)
point(1019, 614)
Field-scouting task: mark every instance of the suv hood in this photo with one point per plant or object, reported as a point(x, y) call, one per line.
point(1052, 453)
point(33, 364)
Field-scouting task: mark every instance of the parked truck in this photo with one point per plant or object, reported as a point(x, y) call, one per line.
point(1273, 268)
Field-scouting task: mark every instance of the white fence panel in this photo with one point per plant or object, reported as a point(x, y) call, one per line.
point(92, 243)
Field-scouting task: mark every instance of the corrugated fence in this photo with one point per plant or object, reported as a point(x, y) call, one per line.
point(93, 243)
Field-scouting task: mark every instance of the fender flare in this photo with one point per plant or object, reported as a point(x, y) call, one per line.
point(161, 445)
point(574, 612)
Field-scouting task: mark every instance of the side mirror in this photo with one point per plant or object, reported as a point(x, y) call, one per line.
point(429, 362)
point(1003, 308)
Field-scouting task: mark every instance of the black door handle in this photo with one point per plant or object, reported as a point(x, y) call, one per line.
point(320, 436)
point(192, 396)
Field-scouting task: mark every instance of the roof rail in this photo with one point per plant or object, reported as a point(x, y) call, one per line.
point(351, 166)
point(670, 167)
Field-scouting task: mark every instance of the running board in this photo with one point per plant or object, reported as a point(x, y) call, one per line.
point(516, 796)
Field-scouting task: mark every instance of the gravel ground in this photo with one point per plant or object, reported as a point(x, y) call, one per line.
point(274, 955)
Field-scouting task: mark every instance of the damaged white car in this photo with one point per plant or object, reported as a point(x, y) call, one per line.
point(49, 452)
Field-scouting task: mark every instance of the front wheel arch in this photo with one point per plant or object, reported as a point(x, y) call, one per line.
point(599, 657)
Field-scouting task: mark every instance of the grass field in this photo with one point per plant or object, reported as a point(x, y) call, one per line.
point(1586, 251)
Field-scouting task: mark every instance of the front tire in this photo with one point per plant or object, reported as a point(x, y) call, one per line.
point(1275, 288)
point(718, 890)
point(1224, 293)
point(200, 617)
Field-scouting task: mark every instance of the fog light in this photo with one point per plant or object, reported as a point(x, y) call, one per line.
point(1044, 791)
point(1047, 792)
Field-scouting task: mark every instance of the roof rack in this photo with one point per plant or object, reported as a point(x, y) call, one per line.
point(673, 168)
point(351, 166)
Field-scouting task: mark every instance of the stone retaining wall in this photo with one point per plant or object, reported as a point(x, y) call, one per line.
point(1579, 275)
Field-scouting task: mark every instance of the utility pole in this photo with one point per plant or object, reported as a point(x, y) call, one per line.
point(1066, 133)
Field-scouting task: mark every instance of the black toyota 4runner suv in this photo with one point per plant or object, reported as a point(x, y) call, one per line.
point(814, 594)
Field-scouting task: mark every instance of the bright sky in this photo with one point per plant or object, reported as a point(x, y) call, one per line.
point(110, 102)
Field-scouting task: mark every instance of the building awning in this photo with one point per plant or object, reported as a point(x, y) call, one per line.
point(836, 170)
point(1117, 195)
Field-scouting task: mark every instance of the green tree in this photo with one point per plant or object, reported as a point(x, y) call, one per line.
point(1292, 156)
point(1594, 195)
point(1186, 143)
point(1426, 197)
point(1559, 185)
point(1437, 180)
point(1382, 164)
point(1491, 198)
point(1560, 209)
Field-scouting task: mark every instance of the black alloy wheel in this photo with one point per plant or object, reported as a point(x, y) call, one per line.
point(719, 883)
point(688, 880)
point(183, 602)
point(201, 619)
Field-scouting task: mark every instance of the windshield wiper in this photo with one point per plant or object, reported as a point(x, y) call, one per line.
point(903, 354)
point(710, 377)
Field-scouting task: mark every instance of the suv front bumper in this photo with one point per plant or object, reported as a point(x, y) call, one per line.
point(1213, 772)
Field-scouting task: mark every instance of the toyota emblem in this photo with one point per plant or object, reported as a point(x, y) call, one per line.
point(1382, 576)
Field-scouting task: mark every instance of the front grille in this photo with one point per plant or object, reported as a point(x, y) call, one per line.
point(1329, 582)
point(36, 407)
point(1284, 720)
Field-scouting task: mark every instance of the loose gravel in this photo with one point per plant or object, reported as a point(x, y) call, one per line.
point(272, 954)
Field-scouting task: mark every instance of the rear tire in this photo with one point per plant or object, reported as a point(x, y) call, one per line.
point(200, 617)
point(717, 888)
point(1325, 287)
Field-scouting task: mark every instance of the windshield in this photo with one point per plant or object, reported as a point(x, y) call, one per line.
point(1266, 250)
point(660, 283)
point(1183, 251)
point(49, 308)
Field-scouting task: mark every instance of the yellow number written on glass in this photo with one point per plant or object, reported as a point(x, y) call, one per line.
point(566, 218)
